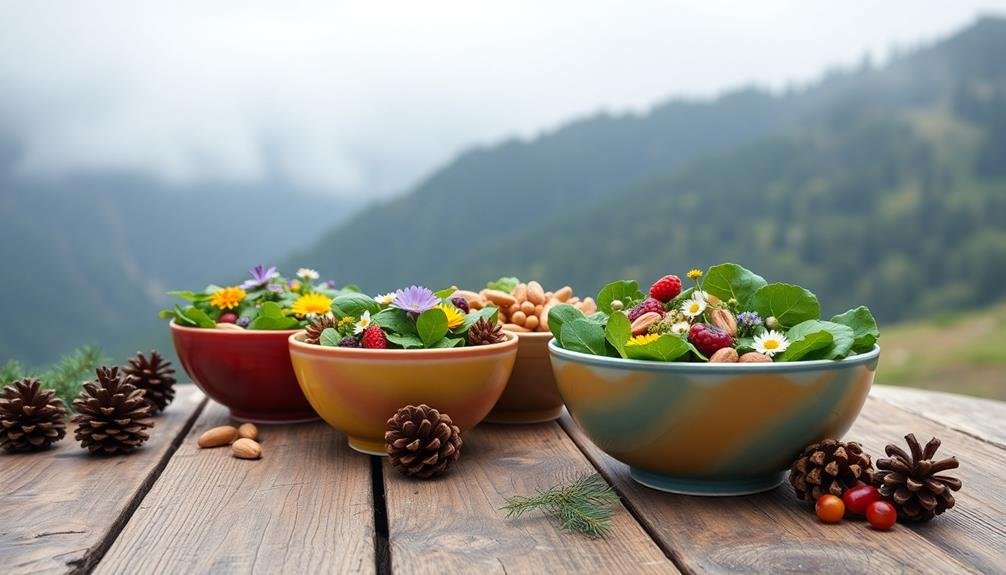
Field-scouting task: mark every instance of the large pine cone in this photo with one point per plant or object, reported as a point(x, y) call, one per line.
point(318, 325)
point(484, 332)
point(830, 467)
point(910, 482)
point(112, 414)
point(30, 418)
point(155, 376)
point(421, 441)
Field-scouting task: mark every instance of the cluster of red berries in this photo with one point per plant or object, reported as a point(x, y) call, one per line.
point(860, 500)
point(706, 338)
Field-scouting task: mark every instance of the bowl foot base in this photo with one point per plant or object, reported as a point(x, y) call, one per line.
point(271, 418)
point(368, 446)
point(539, 416)
point(707, 487)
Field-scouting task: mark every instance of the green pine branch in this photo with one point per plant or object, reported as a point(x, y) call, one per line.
point(584, 505)
point(66, 376)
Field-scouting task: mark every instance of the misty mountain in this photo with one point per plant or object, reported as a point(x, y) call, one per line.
point(857, 186)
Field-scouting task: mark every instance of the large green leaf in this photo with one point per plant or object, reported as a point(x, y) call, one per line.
point(584, 336)
point(667, 347)
point(395, 320)
point(330, 337)
point(729, 280)
point(806, 343)
point(626, 291)
point(618, 331)
point(431, 325)
point(353, 305)
point(406, 341)
point(504, 284)
point(864, 328)
point(561, 314)
point(790, 304)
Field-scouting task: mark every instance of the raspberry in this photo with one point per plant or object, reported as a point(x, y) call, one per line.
point(349, 341)
point(461, 303)
point(648, 305)
point(708, 339)
point(373, 338)
point(666, 288)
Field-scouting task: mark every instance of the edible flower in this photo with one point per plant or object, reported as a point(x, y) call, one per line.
point(311, 304)
point(643, 339)
point(385, 299)
point(748, 320)
point(694, 306)
point(770, 343)
point(362, 324)
point(228, 297)
point(454, 315)
point(695, 274)
point(308, 274)
point(259, 277)
point(415, 299)
point(680, 328)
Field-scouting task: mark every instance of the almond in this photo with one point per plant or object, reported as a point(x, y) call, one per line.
point(535, 293)
point(563, 293)
point(755, 357)
point(588, 306)
point(520, 292)
point(218, 436)
point(531, 322)
point(643, 322)
point(248, 430)
point(515, 327)
point(724, 355)
point(527, 307)
point(245, 448)
point(518, 318)
point(500, 298)
point(468, 295)
point(723, 319)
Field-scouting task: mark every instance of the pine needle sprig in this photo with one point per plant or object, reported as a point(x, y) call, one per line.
point(66, 376)
point(584, 505)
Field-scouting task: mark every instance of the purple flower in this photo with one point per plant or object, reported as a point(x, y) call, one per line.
point(275, 288)
point(748, 320)
point(259, 277)
point(415, 299)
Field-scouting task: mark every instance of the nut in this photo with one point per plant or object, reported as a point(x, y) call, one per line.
point(500, 298)
point(755, 357)
point(643, 322)
point(563, 293)
point(588, 306)
point(723, 319)
point(248, 430)
point(245, 448)
point(218, 436)
point(515, 327)
point(520, 292)
point(531, 322)
point(518, 318)
point(535, 293)
point(527, 307)
point(724, 355)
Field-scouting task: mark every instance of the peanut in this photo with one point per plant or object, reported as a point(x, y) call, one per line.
point(531, 322)
point(500, 298)
point(527, 307)
point(518, 318)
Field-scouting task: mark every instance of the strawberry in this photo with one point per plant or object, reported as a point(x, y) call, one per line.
point(708, 339)
point(373, 338)
point(666, 288)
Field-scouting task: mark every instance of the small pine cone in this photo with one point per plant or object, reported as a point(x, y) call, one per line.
point(911, 483)
point(318, 325)
point(112, 414)
point(155, 376)
point(830, 467)
point(421, 441)
point(484, 332)
point(31, 418)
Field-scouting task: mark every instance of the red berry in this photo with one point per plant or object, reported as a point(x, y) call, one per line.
point(859, 498)
point(708, 338)
point(648, 305)
point(228, 317)
point(666, 288)
point(881, 515)
point(373, 338)
point(829, 509)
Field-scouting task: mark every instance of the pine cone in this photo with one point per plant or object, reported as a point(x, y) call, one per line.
point(830, 467)
point(484, 332)
point(155, 376)
point(112, 414)
point(910, 482)
point(421, 441)
point(319, 324)
point(30, 418)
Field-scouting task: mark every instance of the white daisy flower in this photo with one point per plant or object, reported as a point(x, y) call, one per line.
point(693, 307)
point(770, 343)
point(680, 328)
point(385, 299)
point(362, 324)
point(307, 274)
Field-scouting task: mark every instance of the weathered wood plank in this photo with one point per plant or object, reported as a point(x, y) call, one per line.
point(60, 509)
point(982, 418)
point(305, 507)
point(773, 532)
point(453, 524)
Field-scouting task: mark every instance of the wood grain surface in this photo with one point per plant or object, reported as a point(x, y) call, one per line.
point(305, 507)
point(981, 418)
point(61, 508)
point(453, 524)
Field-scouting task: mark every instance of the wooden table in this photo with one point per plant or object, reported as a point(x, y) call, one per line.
point(312, 505)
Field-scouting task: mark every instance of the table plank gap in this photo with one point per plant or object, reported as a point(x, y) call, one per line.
point(305, 507)
point(63, 508)
point(980, 418)
point(382, 545)
point(454, 523)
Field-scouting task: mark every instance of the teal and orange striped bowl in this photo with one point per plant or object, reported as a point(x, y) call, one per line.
point(710, 429)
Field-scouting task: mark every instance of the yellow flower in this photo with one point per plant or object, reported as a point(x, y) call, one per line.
point(695, 274)
point(228, 297)
point(643, 339)
point(347, 320)
point(454, 315)
point(312, 303)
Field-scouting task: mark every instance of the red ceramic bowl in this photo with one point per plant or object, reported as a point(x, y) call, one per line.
point(247, 371)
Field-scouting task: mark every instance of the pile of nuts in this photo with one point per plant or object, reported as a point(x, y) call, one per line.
point(526, 308)
point(242, 440)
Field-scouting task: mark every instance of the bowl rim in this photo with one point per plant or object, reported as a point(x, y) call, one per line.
point(696, 367)
point(232, 332)
point(296, 344)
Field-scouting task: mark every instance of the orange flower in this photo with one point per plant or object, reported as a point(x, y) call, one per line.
point(228, 297)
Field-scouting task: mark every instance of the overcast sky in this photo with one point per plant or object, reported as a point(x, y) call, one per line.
point(366, 97)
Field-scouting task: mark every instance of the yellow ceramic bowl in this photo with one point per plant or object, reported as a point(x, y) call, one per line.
point(357, 390)
point(531, 395)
